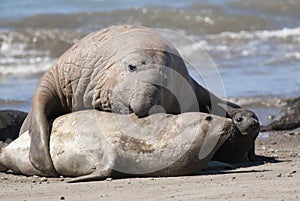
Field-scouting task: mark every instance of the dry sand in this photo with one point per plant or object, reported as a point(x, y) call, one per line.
point(268, 181)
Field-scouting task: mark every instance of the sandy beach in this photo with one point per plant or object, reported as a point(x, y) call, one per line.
point(263, 181)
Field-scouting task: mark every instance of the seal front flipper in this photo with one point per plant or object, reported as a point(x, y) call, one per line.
point(3, 168)
point(98, 174)
point(44, 105)
point(217, 165)
point(257, 158)
point(251, 154)
point(39, 154)
point(38, 151)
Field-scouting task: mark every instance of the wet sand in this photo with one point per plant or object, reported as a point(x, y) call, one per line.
point(265, 181)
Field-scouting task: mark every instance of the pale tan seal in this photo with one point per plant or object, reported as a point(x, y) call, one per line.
point(96, 145)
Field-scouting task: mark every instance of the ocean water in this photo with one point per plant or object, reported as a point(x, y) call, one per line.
point(252, 47)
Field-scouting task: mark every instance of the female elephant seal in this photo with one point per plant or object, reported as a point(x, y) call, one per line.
point(121, 69)
point(96, 145)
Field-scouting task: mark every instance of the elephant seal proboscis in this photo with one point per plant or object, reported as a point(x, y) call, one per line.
point(121, 69)
point(91, 145)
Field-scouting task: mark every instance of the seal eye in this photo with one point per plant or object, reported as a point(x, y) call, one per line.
point(209, 118)
point(239, 119)
point(254, 116)
point(131, 68)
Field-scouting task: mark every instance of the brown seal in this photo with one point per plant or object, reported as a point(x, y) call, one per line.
point(241, 146)
point(121, 69)
point(10, 124)
point(288, 118)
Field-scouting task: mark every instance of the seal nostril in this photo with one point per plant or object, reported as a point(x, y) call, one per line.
point(209, 118)
point(240, 119)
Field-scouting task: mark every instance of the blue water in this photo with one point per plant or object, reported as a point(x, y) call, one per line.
point(17, 8)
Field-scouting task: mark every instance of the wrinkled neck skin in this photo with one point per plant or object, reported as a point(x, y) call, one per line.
point(210, 103)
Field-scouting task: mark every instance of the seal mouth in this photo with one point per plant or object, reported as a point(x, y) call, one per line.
point(130, 109)
point(142, 99)
point(251, 131)
point(142, 110)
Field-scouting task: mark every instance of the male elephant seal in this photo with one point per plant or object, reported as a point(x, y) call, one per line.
point(96, 145)
point(121, 69)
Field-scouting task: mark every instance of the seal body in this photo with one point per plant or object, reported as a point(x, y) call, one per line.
point(241, 146)
point(10, 124)
point(96, 145)
point(288, 118)
point(121, 69)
